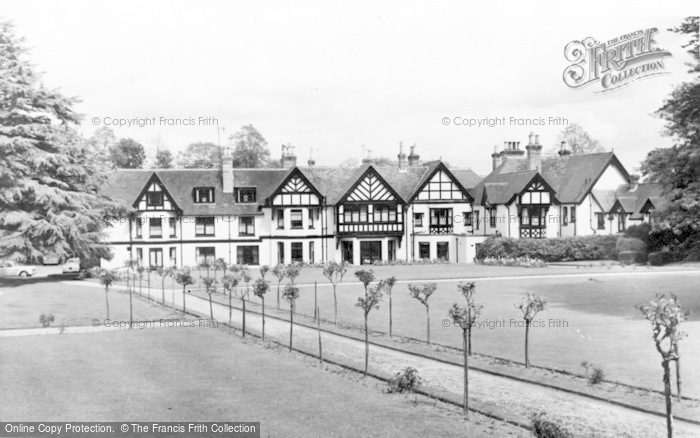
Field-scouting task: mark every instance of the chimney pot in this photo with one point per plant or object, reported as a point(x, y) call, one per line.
point(537, 139)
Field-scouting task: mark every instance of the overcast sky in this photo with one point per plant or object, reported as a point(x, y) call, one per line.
point(335, 76)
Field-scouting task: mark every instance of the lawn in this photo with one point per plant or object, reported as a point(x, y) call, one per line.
point(204, 374)
point(23, 303)
point(589, 318)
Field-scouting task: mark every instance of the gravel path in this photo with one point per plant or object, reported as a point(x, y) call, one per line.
point(582, 415)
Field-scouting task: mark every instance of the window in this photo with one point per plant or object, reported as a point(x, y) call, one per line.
point(565, 216)
point(154, 199)
point(172, 226)
point(492, 216)
point(139, 256)
point(355, 214)
point(247, 255)
point(205, 252)
point(155, 227)
point(440, 220)
point(204, 226)
point(468, 219)
point(173, 256)
point(477, 221)
point(424, 250)
point(245, 194)
point(443, 250)
point(280, 219)
point(621, 219)
point(155, 257)
point(246, 226)
point(311, 252)
point(297, 252)
point(280, 252)
point(418, 219)
point(296, 219)
point(139, 228)
point(600, 218)
point(311, 218)
point(532, 222)
point(573, 214)
point(203, 195)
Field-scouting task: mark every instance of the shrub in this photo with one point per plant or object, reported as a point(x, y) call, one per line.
point(46, 320)
point(641, 232)
point(630, 244)
point(660, 258)
point(407, 380)
point(525, 262)
point(550, 250)
point(597, 376)
point(632, 257)
point(545, 428)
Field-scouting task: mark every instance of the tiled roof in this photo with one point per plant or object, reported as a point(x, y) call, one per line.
point(633, 197)
point(500, 188)
point(606, 199)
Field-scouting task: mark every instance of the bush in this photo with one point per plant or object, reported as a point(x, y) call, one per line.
point(46, 320)
point(545, 428)
point(632, 257)
point(524, 262)
point(407, 380)
point(597, 376)
point(630, 244)
point(641, 232)
point(550, 250)
point(660, 258)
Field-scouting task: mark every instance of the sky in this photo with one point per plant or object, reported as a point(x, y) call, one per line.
point(332, 78)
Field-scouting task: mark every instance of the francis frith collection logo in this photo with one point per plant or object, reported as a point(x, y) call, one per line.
point(615, 63)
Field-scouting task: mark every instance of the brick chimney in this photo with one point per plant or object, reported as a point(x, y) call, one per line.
point(367, 159)
point(496, 157)
point(512, 149)
point(564, 151)
point(227, 173)
point(413, 158)
point(311, 161)
point(402, 157)
point(534, 153)
point(289, 160)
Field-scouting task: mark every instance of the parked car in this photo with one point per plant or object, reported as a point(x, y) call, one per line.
point(72, 266)
point(11, 269)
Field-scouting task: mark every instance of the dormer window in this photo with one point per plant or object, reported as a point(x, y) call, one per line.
point(245, 195)
point(154, 199)
point(203, 195)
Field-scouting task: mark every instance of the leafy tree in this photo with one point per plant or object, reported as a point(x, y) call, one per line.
point(578, 141)
point(128, 154)
point(200, 155)
point(665, 315)
point(245, 276)
point(106, 277)
point(279, 271)
point(468, 290)
point(291, 293)
point(183, 277)
point(102, 141)
point(678, 167)
point(264, 269)
point(210, 287)
point(163, 273)
point(422, 293)
point(335, 272)
point(164, 159)
point(371, 300)
point(249, 148)
point(49, 176)
point(260, 288)
point(530, 305)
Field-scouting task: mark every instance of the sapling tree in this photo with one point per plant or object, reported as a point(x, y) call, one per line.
point(464, 317)
point(422, 293)
point(292, 271)
point(530, 305)
point(183, 277)
point(279, 271)
point(210, 287)
point(163, 273)
point(260, 288)
point(371, 300)
point(291, 293)
point(149, 269)
point(106, 277)
point(388, 286)
point(140, 270)
point(335, 272)
point(245, 278)
point(220, 264)
point(468, 290)
point(229, 283)
point(665, 315)
point(264, 269)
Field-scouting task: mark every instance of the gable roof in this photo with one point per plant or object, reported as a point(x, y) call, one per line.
point(633, 197)
point(501, 188)
point(433, 168)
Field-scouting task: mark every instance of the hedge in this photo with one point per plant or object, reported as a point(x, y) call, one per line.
point(660, 258)
point(550, 250)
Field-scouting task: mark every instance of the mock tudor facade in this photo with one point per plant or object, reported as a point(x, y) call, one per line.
point(408, 211)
